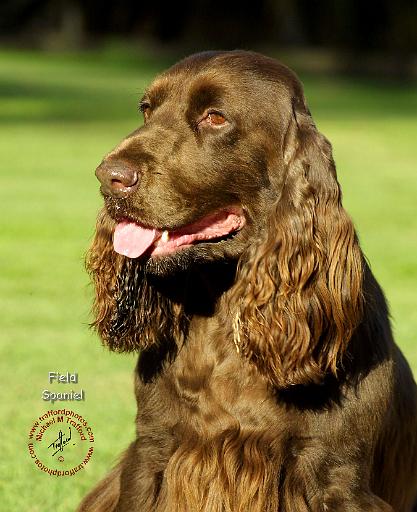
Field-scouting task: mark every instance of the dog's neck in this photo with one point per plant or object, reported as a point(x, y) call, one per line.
point(197, 289)
point(197, 293)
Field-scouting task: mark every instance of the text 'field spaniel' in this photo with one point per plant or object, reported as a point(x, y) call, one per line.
point(268, 379)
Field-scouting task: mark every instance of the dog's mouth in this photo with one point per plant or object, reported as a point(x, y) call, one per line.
point(132, 239)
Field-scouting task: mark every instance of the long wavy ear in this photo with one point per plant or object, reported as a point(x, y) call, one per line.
point(298, 295)
point(129, 313)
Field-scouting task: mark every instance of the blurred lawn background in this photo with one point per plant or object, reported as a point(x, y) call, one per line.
point(59, 114)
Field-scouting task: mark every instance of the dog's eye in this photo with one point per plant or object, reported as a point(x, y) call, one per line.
point(213, 118)
point(145, 108)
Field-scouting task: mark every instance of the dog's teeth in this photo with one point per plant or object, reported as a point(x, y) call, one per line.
point(165, 236)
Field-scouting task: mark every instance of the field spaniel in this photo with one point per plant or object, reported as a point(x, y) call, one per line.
point(268, 379)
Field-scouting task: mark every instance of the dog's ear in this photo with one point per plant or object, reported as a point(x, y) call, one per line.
point(298, 295)
point(104, 266)
point(129, 313)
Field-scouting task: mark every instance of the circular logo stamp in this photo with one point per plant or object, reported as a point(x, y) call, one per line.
point(61, 442)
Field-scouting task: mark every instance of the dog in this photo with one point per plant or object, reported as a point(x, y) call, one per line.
point(268, 379)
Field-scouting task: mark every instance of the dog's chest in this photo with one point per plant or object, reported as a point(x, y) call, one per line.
point(215, 390)
point(216, 425)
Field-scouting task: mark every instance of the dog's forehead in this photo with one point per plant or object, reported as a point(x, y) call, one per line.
point(246, 75)
point(208, 83)
point(216, 81)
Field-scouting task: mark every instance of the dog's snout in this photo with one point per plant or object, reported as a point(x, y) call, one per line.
point(117, 178)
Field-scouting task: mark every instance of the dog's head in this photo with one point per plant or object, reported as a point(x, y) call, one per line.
point(195, 179)
point(228, 165)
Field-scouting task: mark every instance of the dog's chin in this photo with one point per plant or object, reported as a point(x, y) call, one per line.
point(193, 257)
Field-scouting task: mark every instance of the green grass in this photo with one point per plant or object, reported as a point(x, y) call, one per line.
point(59, 115)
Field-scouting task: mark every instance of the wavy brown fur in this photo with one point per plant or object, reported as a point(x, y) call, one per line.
point(267, 379)
point(299, 290)
point(129, 313)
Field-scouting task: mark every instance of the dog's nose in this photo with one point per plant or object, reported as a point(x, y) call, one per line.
point(117, 178)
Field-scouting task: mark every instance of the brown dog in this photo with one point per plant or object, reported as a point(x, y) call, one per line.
point(268, 379)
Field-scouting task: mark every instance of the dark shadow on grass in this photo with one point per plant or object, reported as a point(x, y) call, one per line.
point(40, 103)
point(359, 99)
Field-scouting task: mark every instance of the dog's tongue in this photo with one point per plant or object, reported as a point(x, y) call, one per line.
point(133, 240)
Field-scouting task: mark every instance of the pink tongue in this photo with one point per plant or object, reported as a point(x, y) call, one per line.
point(132, 240)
